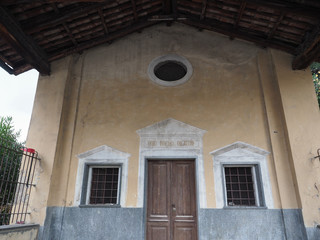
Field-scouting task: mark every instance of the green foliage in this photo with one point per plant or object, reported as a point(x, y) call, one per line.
point(10, 161)
point(7, 131)
point(315, 70)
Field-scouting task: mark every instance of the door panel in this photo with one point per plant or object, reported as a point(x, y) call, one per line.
point(158, 230)
point(183, 190)
point(159, 191)
point(171, 200)
point(184, 231)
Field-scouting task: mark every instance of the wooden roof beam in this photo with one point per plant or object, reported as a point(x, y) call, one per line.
point(276, 25)
point(12, 33)
point(134, 9)
point(106, 30)
point(174, 9)
point(65, 26)
point(5, 59)
point(288, 7)
point(203, 10)
point(105, 39)
point(303, 61)
point(54, 19)
point(6, 67)
point(167, 7)
point(170, 10)
point(240, 13)
point(70, 34)
point(21, 67)
point(228, 29)
point(11, 2)
point(308, 51)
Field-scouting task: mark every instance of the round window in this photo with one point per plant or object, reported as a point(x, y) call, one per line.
point(170, 70)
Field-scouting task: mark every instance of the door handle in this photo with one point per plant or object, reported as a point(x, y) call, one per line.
point(174, 207)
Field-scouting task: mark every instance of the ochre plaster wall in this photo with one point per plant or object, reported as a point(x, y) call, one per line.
point(103, 96)
point(43, 133)
point(117, 98)
point(302, 118)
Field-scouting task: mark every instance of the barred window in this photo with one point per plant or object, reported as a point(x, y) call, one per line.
point(103, 185)
point(242, 186)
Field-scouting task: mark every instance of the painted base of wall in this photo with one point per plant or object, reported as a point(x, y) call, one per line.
point(275, 224)
point(93, 223)
point(19, 232)
point(313, 233)
point(128, 224)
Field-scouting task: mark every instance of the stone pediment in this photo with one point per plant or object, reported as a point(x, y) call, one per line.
point(239, 149)
point(170, 126)
point(171, 139)
point(103, 151)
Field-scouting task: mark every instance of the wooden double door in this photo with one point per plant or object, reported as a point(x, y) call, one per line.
point(171, 200)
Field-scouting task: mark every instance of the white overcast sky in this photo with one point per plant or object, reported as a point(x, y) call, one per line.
point(16, 98)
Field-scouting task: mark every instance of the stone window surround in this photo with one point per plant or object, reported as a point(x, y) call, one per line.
point(170, 57)
point(101, 156)
point(240, 153)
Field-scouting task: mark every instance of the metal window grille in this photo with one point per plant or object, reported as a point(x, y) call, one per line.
point(240, 187)
point(17, 167)
point(104, 185)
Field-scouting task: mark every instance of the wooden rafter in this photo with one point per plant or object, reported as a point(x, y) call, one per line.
point(203, 10)
point(51, 20)
point(17, 39)
point(308, 51)
point(303, 61)
point(109, 38)
point(69, 34)
point(103, 21)
point(174, 9)
point(287, 7)
point(240, 13)
point(167, 7)
point(170, 10)
point(134, 8)
point(9, 2)
point(5, 60)
point(6, 67)
point(276, 25)
point(65, 26)
point(21, 67)
point(236, 33)
point(311, 40)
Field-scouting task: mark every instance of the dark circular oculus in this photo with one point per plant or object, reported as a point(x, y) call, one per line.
point(170, 70)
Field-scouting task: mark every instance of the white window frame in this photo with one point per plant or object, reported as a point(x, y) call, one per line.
point(89, 183)
point(256, 185)
point(100, 156)
point(240, 153)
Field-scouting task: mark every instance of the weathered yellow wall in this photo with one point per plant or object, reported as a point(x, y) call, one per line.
point(43, 133)
point(302, 119)
point(103, 96)
point(117, 98)
point(281, 165)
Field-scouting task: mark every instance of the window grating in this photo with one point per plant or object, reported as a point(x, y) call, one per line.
point(240, 186)
point(104, 186)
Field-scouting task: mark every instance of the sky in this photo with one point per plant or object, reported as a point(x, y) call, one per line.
point(16, 98)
